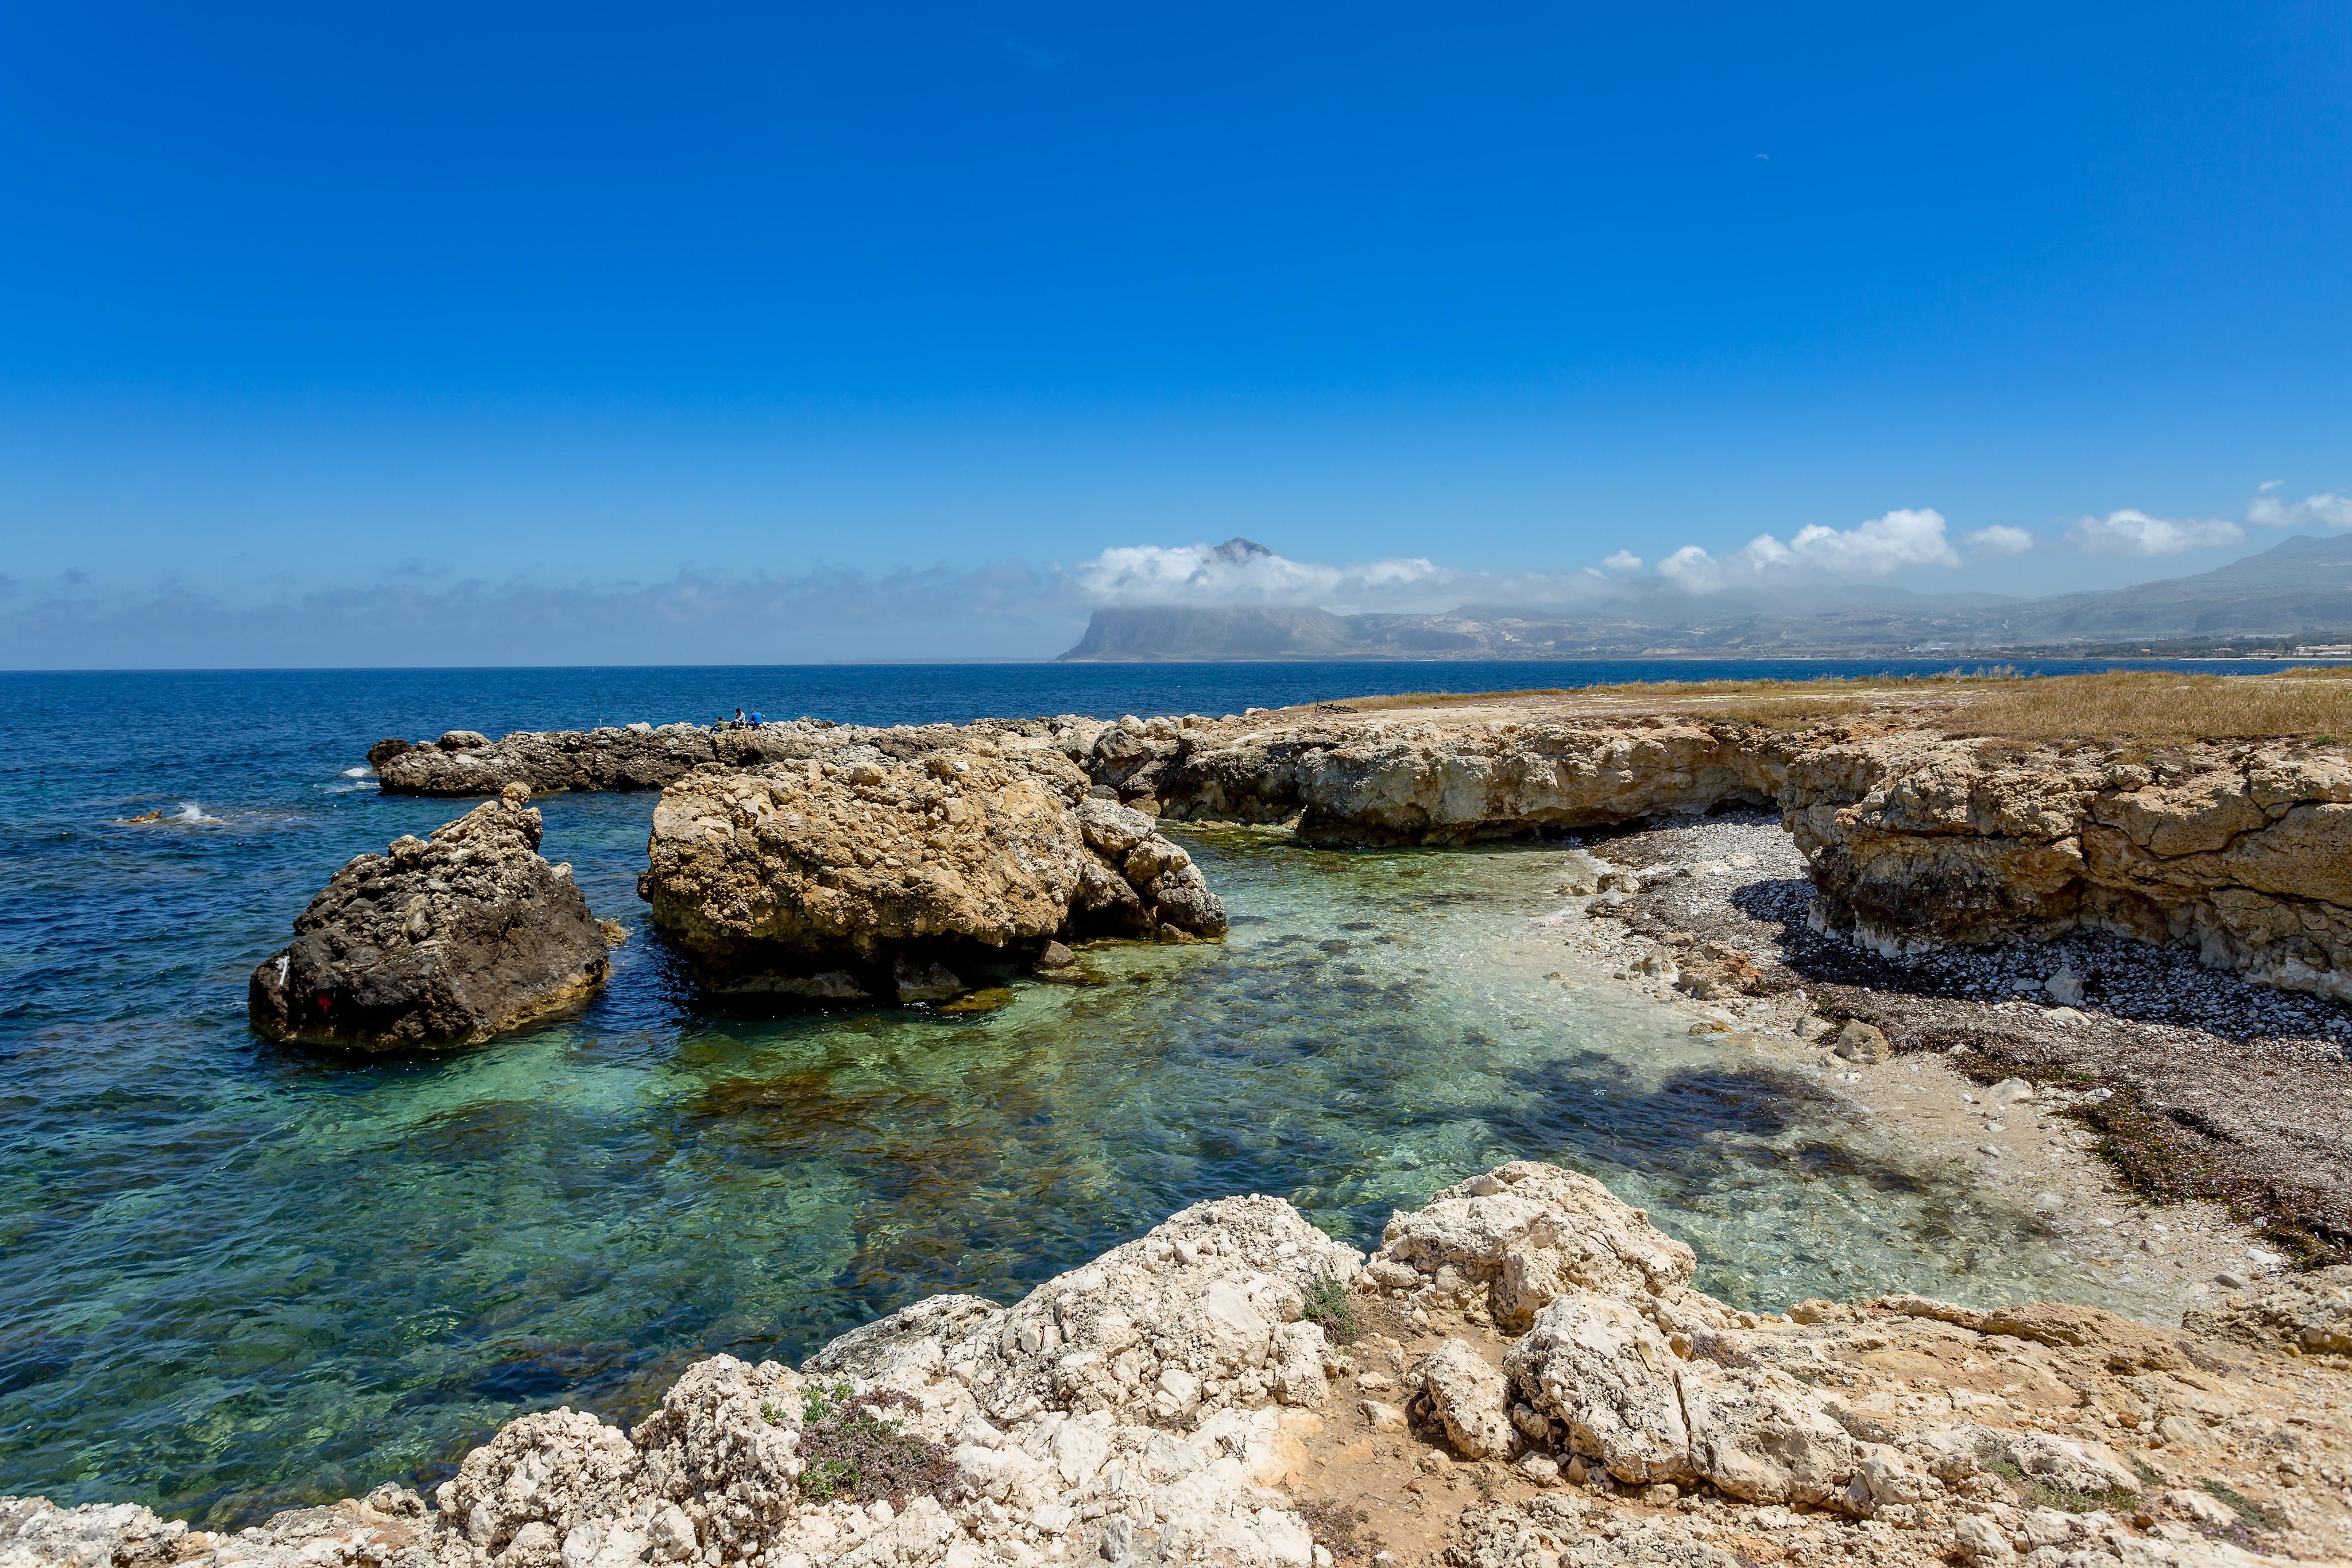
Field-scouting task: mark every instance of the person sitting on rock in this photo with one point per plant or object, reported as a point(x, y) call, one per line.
point(739, 719)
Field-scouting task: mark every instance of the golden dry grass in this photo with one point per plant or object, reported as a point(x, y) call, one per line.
point(2161, 705)
point(2311, 702)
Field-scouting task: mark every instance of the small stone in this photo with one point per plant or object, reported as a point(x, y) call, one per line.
point(1858, 1041)
point(1055, 956)
point(2231, 1280)
point(1540, 1468)
point(2009, 1090)
point(1381, 1417)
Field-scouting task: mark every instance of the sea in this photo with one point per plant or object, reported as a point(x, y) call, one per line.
point(236, 1278)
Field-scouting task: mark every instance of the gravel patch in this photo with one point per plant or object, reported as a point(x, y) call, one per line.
point(2193, 1084)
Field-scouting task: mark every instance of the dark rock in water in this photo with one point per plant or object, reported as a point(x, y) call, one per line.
point(438, 942)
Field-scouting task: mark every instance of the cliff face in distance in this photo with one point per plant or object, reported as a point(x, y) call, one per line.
point(2299, 591)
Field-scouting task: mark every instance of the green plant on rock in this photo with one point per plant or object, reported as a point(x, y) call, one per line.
point(1339, 1529)
point(2245, 1508)
point(2042, 1493)
point(1328, 1303)
point(854, 1449)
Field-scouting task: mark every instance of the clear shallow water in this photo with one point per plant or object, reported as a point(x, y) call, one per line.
point(234, 1277)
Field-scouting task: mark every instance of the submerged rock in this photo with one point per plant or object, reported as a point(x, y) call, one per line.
point(864, 876)
point(440, 941)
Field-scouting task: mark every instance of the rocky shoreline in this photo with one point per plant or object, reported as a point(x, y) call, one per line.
point(2195, 1088)
point(1521, 1375)
point(1924, 877)
point(1914, 838)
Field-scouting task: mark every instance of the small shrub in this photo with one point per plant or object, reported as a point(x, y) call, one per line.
point(854, 1450)
point(1328, 1303)
point(1339, 1531)
point(2065, 1499)
point(2246, 1508)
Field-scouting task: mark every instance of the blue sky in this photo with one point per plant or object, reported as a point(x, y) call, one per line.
point(882, 324)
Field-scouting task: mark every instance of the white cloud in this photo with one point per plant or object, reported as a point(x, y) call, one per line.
point(2327, 513)
point(1878, 548)
point(2132, 532)
point(1240, 572)
point(1623, 560)
point(2000, 539)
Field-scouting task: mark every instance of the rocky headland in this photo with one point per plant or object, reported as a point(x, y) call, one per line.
point(1522, 1374)
point(437, 942)
point(1914, 837)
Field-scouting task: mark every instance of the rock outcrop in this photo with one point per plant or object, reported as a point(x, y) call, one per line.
point(647, 757)
point(860, 874)
point(1915, 1432)
point(437, 942)
point(1914, 837)
point(1173, 1401)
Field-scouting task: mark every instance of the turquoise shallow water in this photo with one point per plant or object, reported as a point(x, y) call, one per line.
point(232, 1279)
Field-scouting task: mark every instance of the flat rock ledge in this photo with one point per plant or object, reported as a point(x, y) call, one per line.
point(1183, 1400)
point(862, 875)
point(437, 942)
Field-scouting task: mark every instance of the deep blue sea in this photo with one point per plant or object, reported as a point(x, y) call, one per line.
point(235, 1278)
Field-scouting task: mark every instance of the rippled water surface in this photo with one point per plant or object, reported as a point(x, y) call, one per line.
point(234, 1277)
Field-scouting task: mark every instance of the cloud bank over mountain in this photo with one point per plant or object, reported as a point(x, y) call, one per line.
point(417, 614)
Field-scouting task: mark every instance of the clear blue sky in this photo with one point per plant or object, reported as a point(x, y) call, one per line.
point(407, 308)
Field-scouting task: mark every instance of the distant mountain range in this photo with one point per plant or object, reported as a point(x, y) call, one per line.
point(2297, 592)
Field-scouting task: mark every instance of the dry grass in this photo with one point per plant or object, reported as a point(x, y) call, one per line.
point(2310, 702)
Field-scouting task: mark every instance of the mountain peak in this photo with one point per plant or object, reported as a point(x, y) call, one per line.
point(1237, 549)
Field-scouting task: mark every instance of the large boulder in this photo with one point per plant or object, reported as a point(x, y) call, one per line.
point(437, 942)
point(861, 874)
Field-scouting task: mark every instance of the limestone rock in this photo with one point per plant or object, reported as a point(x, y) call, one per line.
point(36, 1531)
point(1763, 1436)
point(864, 874)
point(1602, 1371)
point(1470, 1400)
point(437, 942)
point(1526, 1232)
point(727, 1430)
point(1859, 1041)
point(555, 1469)
point(2311, 1312)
